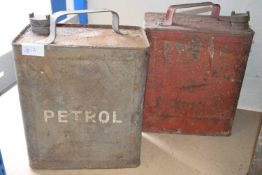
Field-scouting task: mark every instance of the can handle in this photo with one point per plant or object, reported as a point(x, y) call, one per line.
point(171, 11)
point(53, 18)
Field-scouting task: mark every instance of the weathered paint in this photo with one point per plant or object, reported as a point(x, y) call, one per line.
point(103, 117)
point(195, 74)
point(82, 101)
point(256, 162)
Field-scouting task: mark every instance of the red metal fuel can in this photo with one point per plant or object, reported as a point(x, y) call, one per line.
point(196, 68)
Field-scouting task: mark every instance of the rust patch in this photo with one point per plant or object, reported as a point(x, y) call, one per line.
point(136, 86)
point(214, 72)
point(155, 50)
point(193, 86)
point(176, 102)
point(166, 51)
point(158, 99)
point(179, 48)
point(224, 51)
point(194, 48)
point(166, 116)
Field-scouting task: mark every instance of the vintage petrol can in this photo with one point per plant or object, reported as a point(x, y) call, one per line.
point(196, 67)
point(81, 92)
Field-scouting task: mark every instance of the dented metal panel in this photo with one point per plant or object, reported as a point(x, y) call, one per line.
point(82, 101)
point(196, 68)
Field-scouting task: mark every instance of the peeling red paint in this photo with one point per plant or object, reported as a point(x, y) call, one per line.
point(194, 78)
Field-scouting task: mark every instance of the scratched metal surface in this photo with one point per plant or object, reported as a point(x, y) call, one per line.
point(82, 105)
point(194, 77)
point(193, 23)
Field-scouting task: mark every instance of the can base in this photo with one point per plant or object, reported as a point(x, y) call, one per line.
point(205, 127)
point(59, 165)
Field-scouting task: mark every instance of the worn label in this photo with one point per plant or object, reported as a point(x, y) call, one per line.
point(33, 49)
point(63, 116)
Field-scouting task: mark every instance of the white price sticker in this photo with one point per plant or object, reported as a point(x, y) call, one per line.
point(33, 49)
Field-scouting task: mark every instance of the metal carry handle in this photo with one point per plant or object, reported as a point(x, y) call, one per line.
point(170, 15)
point(52, 35)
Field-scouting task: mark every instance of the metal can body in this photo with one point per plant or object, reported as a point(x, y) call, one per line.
point(194, 77)
point(82, 102)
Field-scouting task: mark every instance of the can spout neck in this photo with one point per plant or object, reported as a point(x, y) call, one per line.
point(240, 21)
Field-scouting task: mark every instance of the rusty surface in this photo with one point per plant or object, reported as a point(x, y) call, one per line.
point(82, 102)
point(40, 24)
point(92, 36)
point(256, 162)
point(193, 23)
point(195, 75)
point(240, 21)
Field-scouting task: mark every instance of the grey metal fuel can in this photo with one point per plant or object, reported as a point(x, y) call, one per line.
point(81, 90)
